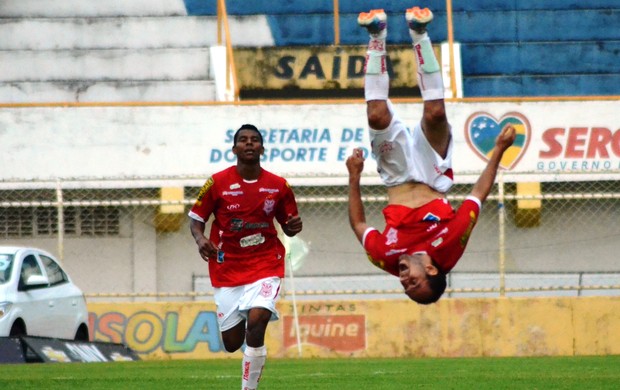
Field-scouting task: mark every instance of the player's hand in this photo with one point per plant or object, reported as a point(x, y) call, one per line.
point(506, 137)
point(355, 162)
point(206, 248)
point(292, 226)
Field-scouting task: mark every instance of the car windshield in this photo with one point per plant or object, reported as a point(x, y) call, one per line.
point(6, 264)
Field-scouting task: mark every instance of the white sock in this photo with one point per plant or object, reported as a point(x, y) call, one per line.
point(429, 71)
point(252, 367)
point(376, 78)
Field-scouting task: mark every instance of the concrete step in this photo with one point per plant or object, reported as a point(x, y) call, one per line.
point(128, 32)
point(104, 65)
point(91, 8)
point(107, 91)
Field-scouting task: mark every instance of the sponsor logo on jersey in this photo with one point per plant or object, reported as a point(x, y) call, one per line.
point(256, 225)
point(232, 193)
point(205, 188)
point(235, 186)
point(472, 222)
point(432, 227)
point(377, 263)
point(394, 252)
point(236, 224)
point(269, 190)
point(431, 217)
point(234, 206)
point(252, 240)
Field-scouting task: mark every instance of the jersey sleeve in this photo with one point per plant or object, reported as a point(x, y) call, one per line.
point(205, 201)
point(376, 250)
point(447, 247)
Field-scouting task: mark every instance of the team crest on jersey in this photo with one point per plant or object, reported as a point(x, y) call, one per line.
point(391, 237)
point(205, 188)
point(269, 205)
point(266, 290)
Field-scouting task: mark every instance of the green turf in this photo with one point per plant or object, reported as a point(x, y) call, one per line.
point(600, 372)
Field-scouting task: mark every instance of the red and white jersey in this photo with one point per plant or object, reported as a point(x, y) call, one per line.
point(243, 226)
point(434, 228)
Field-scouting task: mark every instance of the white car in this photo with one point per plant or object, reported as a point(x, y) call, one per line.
point(37, 298)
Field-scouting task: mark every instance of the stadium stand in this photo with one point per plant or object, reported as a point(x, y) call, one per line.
point(159, 50)
point(108, 51)
point(509, 48)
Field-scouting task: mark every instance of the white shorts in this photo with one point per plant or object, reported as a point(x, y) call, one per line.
point(404, 156)
point(234, 303)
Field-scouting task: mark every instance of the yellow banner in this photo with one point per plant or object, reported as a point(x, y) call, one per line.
point(394, 328)
point(324, 67)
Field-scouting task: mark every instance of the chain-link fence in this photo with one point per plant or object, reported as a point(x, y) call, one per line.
point(129, 239)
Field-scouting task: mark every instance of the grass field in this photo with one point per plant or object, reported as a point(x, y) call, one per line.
point(583, 373)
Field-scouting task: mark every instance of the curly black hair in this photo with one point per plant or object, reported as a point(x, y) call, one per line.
point(247, 126)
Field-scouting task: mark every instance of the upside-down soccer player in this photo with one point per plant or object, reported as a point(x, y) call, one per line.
point(245, 256)
point(424, 237)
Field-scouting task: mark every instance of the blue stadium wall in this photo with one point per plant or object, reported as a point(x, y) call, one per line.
point(509, 47)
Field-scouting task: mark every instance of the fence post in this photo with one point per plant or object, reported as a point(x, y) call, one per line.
point(61, 220)
point(501, 214)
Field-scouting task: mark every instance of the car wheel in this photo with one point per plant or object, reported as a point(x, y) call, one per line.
point(18, 329)
point(82, 333)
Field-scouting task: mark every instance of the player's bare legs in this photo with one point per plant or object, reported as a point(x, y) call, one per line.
point(255, 353)
point(234, 337)
point(376, 79)
point(434, 121)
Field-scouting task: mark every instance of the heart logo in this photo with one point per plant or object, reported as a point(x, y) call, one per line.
point(482, 128)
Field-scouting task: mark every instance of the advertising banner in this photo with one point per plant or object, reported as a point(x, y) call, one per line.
point(319, 67)
point(49, 350)
point(374, 328)
point(312, 140)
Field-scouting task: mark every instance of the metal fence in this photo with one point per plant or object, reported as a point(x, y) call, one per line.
point(129, 238)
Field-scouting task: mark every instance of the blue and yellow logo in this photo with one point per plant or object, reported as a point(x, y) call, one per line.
point(482, 128)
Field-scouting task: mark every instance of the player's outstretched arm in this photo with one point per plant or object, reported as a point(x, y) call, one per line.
point(504, 140)
point(357, 215)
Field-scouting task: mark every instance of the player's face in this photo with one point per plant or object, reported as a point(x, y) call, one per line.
point(248, 147)
point(412, 275)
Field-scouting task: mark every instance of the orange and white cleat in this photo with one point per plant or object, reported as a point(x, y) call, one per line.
point(375, 21)
point(418, 18)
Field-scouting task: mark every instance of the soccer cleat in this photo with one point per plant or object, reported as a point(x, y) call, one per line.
point(375, 21)
point(417, 19)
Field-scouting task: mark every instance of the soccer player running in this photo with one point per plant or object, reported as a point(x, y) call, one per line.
point(245, 256)
point(424, 237)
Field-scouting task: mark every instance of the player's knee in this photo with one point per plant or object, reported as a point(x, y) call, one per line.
point(232, 345)
point(378, 119)
point(435, 112)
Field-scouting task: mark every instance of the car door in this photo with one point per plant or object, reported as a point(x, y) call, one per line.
point(66, 297)
point(34, 303)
